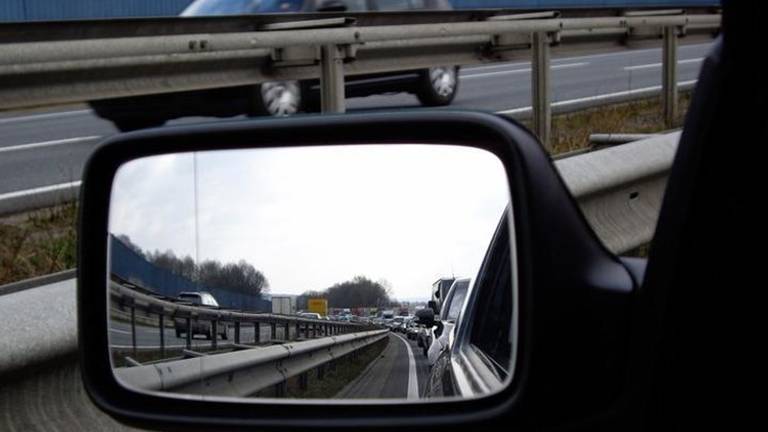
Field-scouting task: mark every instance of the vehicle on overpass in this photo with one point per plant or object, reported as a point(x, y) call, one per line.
point(435, 86)
point(199, 327)
point(311, 315)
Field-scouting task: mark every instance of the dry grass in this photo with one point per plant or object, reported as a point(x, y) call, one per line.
point(571, 132)
point(38, 243)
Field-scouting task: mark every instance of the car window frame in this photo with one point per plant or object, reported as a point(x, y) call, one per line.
point(472, 371)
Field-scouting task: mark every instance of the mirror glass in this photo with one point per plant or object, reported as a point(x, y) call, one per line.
point(297, 273)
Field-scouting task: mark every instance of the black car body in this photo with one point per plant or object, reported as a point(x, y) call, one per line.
point(433, 87)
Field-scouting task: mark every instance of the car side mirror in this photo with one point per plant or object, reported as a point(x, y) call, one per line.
point(425, 317)
point(433, 306)
point(260, 202)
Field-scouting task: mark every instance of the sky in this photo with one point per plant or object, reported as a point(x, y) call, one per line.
point(311, 217)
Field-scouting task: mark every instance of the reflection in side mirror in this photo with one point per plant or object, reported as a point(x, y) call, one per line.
point(225, 264)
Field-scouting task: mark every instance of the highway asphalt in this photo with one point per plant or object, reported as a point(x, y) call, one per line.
point(50, 147)
point(400, 372)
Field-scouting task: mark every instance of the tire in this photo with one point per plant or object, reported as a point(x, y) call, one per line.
point(278, 98)
point(127, 124)
point(438, 86)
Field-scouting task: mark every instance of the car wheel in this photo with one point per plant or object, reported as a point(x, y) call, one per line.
point(438, 85)
point(278, 98)
point(127, 124)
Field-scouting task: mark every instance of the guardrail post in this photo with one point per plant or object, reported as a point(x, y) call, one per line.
point(281, 389)
point(287, 331)
point(237, 332)
point(298, 330)
point(214, 334)
point(669, 78)
point(161, 320)
point(189, 333)
point(133, 328)
point(542, 112)
point(331, 79)
point(321, 372)
point(256, 333)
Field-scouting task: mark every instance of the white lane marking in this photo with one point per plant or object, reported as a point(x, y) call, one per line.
point(593, 98)
point(48, 143)
point(61, 187)
point(509, 72)
point(658, 65)
point(489, 67)
point(119, 331)
point(413, 383)
point(43, 116)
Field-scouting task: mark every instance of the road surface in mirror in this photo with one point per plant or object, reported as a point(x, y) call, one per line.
point(299, 273)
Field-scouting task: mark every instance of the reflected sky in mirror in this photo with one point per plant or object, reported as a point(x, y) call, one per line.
point(311, 217)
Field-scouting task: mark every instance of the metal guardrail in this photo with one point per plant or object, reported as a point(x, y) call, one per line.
point(40, 197)
point(90, 67)
point(159, 308)
point(620, 189)
point(243, 373)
